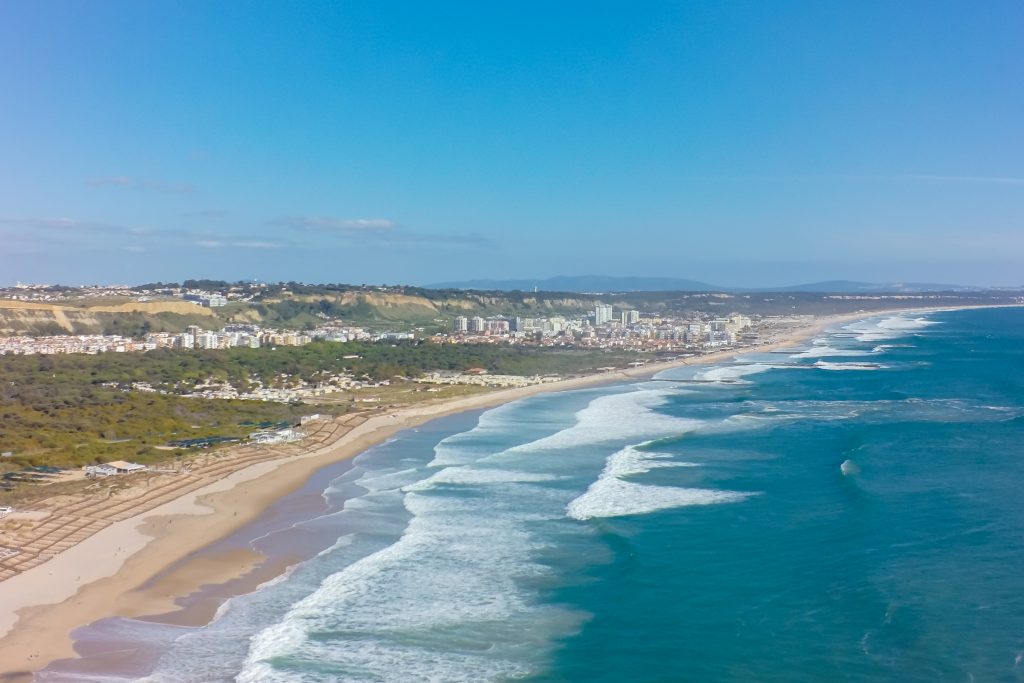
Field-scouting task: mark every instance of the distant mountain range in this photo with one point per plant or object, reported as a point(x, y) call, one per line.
point(603, 283)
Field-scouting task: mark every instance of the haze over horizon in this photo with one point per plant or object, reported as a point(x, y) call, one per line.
point(740, 144)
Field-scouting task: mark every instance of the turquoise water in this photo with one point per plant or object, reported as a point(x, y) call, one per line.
point(851, 511)
point(910, 570)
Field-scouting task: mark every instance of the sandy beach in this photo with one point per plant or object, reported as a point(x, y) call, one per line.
point(142, 564)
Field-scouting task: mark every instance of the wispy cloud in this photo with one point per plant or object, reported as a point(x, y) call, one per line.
point(338, 225)
point(308, 232)
point(130, 183)
point(470, 240)
point(238, 244)
point(61, 224)
point(258, 244)
point(48, 233)
point(208, 213)
point(35, 242)
point(379, 231)
point(44, 228)
point(71, 231)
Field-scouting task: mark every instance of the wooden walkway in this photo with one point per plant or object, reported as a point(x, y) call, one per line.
point(71, 523)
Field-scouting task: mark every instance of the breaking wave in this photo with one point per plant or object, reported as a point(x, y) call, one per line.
point(825, 365)
point(614, 496)
point(875, 329)
point(732, 373)
point(617, 417)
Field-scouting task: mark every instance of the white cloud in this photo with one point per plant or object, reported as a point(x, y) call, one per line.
point(64, 224)
point(208, 213)
point(238, 244)
point(257, 244)
point(328, 224)
point(380, 231)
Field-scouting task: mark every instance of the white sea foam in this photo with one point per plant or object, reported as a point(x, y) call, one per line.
point(457, 449)
point(389, 479)
point(436, 580)
point(521, 417)
point(477, 476)
point(868, 330)
point(443, 603)
point(732, 373)
point(440, 604)
point(885, 411)
point(617, 417)
point(825, 365)
point(901, 323)
point(743, 422)
point(885, 347)
point(618, 498)
point(634, 460)
point(826, 351)
point(875, 329)
point(613, 496)
point(631, 416)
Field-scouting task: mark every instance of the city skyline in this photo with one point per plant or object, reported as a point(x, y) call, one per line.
point(738, 144)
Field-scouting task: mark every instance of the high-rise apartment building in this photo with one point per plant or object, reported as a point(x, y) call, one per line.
point(207, 340)
point(602, 314)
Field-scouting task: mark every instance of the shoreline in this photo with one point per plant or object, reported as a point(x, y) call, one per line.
point(142, 565)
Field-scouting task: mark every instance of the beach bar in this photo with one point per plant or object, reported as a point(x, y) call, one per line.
point(112, 468)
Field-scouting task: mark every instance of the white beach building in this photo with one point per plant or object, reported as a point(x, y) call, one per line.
point(112, 468)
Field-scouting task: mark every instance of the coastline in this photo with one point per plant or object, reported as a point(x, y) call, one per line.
point(111, 573)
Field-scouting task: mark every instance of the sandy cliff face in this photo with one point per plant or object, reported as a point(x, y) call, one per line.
point(386, 301)
point(387, 306)
point(44, 318)
point(153, 307)
point(29, 317)
point(468, 302)
point(13, 321)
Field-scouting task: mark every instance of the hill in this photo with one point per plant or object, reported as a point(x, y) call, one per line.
point(602, 283)
point(100, 317)
point(585, 283)
point(399, 308)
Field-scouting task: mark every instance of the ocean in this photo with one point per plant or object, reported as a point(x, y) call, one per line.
point(850, 510)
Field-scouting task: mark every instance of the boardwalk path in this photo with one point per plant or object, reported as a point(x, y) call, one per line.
point(68, 523)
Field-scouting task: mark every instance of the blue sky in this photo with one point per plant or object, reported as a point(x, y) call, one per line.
point(741, 143)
